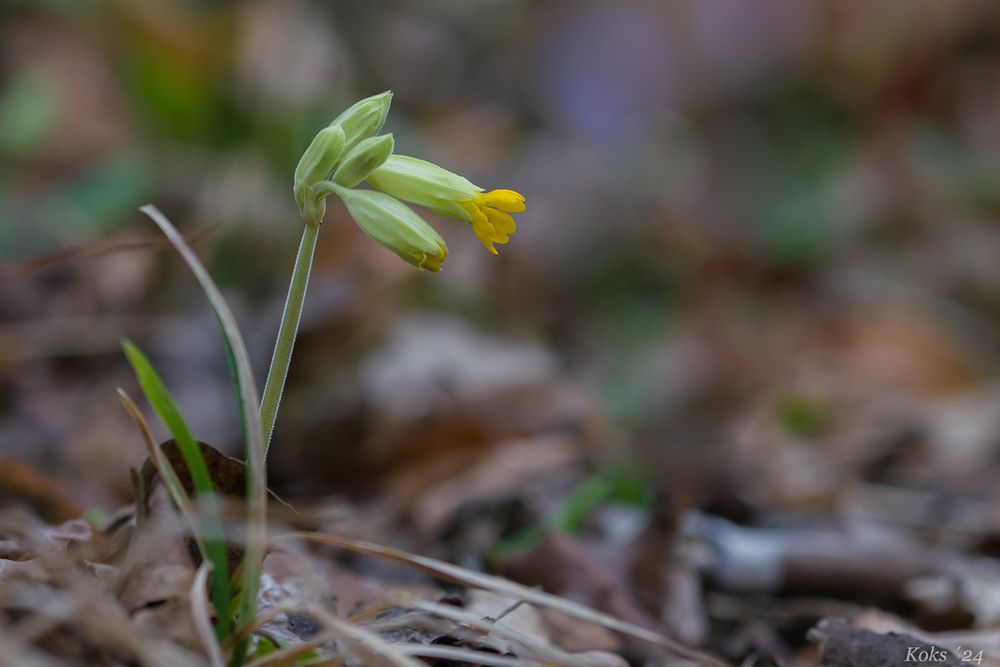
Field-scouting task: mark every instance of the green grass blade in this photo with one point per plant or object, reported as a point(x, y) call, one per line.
point(215, 547)
point(164, 469)
point(161, 400)
point(248, 399)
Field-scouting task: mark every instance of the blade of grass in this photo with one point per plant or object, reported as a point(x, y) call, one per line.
point(248, 399)
point(161, 400)
point(215, 547)
point(165, 470)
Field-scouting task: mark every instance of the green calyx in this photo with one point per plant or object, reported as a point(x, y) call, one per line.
point(362, 160)
point(316, 165)
point(394, 225)
point(363, 119)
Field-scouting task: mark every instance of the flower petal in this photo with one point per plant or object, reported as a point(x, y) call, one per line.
point(505, 200)
point(501, 221)
point(484, 233)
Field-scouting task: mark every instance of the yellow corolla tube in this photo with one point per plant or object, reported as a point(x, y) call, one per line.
point(425, 183)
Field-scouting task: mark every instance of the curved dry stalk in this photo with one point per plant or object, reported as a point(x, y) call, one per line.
point(86, 606)
point(369, 612)
point(89, 249)
point(365, 641)
point(288, 655)
point(503, 587)
point(256, 541)
point(466, 655)
point(201, 618)
point(103, 616)
point(243, 632)
point(413, 620)
point(163, 468)
point(532, 645)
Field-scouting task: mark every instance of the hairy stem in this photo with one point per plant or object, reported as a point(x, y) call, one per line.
point(282, 357)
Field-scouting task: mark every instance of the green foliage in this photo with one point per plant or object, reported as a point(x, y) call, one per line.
point(95, 516)
point(159, 397)
point(177, 100)
point(583, 501)
point(808, 142)
point(247, 398)
point(803, 416)
point(615, 485)
point(215, 549)
point(264, 647)
point(28, 111)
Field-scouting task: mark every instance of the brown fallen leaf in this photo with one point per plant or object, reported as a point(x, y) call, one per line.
point(157, 570)
point(561, 565)
point(228, 477)
point(578, 636)
point(500, 472)
point(22, 483)
point(228, 474)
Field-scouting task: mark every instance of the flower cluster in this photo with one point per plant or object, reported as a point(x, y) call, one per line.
point(351, 151)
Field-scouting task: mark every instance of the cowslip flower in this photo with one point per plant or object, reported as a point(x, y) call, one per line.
point(449, 194)
point(393, 224)
point(356, 128)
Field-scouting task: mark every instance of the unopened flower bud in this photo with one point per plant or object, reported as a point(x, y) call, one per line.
point(363, 119)
point(316, 164)
point(362, 160)
point(394, 225)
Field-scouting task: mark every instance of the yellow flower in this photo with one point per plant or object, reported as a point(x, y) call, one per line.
point(489, 215)
point(444, 192)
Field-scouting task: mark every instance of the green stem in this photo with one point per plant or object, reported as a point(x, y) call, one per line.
point(276, 374)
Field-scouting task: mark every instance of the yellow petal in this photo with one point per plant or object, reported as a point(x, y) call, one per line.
point(433, 262)
point(470, 209)
point(478, 217)
point(501, 221)
point(484, 232)
point(505, 200)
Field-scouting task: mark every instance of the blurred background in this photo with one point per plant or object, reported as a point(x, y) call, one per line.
point(757, 280)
